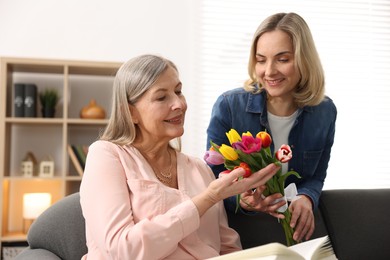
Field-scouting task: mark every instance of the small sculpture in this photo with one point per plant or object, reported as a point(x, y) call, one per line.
point(46, 167)
point(28, 165)
point(93, 111)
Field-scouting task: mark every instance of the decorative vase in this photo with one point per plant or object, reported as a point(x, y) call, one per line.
point(93, 111)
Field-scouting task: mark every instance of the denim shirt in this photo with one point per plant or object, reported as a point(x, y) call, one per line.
point(311, 137)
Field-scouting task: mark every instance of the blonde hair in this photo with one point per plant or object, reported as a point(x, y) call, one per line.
point(132, 80)
point(311, 87)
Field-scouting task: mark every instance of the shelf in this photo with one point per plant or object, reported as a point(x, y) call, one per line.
point(14, 237)
point(77, 82)
point(76, 121)
point(34, 178)
point(73, 178)
point(35, 121)
point(25, 66)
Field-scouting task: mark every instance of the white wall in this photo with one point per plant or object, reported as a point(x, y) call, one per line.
point(99, 30)
point(117, 30)
point(95, 29)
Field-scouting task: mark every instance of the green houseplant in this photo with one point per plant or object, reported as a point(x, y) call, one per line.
point(49, 99)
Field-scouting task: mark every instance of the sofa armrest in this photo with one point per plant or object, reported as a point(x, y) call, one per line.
point(357, 221)
point(33, 254)
point(60, 229)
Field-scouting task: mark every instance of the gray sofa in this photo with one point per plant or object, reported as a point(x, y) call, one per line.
point(58, 233)
point(357, 222)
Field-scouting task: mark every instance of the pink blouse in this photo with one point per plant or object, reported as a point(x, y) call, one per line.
point(129, 214)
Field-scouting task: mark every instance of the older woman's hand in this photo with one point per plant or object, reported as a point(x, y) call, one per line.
point(231, 184)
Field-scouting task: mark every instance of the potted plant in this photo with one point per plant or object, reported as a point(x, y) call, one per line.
point(49, 99)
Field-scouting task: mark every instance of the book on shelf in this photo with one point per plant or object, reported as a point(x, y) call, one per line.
point(75, 160)
point(315, 249)
point(81, 156)
point(85, 149)
point(18, 100)
point(30, 100)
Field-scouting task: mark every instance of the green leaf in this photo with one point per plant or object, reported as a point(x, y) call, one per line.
point(238, 198)
point(267, 156)
point(273, 185)
point(283, 177)
point(231, 164)
point(249, 160)
point(215, 146)
point(267, 152)
point(260, 160)
point(49, 98)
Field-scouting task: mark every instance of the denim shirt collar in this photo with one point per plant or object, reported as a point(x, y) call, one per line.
point(257, 104)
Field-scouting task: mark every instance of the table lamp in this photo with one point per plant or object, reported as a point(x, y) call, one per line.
point(33, 205)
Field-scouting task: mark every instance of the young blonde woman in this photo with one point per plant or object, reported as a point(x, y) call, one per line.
point(285, 97)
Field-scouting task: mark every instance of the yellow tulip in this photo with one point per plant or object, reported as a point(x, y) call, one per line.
point(233, 136)
point(247, 134)
point(228, 152)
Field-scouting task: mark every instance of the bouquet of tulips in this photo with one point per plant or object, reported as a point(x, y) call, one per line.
point(253, 153)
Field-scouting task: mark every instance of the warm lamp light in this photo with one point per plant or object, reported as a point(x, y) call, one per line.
point(33, 205)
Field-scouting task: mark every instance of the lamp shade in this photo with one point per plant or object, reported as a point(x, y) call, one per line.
point(34, 204)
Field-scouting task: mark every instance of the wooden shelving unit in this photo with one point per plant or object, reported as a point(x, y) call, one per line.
point(77, 82)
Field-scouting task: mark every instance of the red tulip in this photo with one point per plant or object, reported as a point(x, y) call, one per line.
point(266, 139)
point(247, 169)
point(223, 173)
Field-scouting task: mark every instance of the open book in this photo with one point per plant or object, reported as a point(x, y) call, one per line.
point(315, 249)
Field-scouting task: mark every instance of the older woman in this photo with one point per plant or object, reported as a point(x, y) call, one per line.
point(141, 197)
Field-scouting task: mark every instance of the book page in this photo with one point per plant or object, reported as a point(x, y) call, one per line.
point(272, 251)
point(315, 249)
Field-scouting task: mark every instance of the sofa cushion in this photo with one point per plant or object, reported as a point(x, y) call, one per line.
point(60, 229)
point(358, 222)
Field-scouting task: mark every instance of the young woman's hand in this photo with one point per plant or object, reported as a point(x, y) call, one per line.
point(254, 200)
point(302, 218)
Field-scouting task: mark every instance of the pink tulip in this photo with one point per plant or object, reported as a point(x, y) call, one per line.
point(213, 157)
point(249, 144)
